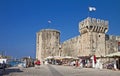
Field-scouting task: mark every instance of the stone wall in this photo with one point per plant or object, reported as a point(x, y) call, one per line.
point(71, 47)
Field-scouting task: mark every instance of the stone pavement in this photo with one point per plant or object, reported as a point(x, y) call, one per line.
point(56, 70)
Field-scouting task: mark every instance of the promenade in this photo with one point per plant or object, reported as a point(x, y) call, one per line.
point(56, 70)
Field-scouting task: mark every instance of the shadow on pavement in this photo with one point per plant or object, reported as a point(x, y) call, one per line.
point(54, 71)
point(11, 70)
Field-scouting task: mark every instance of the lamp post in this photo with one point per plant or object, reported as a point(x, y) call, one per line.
point(59, 50)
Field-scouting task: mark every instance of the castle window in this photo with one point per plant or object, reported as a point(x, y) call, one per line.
point(87, 27)
point(91, 27)
point(99, 35)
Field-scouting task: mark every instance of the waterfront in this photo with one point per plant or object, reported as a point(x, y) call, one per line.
point(57, 70)
point(14, 63)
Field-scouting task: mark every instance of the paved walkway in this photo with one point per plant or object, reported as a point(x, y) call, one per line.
point(55, 70)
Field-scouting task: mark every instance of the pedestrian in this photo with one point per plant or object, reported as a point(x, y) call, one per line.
point(73, 63)
point(43, 62)
point(3, 66)
point(76, 63)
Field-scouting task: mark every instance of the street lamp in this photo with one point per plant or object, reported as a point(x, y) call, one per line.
point(59, 50)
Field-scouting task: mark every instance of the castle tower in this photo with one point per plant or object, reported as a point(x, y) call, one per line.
point(93, 36)
point(47, 43)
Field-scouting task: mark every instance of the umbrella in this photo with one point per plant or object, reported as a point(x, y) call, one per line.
point(68, 57)
point(49, 57)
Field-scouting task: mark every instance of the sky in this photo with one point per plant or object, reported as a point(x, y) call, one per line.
point(21, 19)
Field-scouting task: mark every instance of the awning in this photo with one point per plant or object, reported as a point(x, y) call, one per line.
point(116, 54)
point(57, 57)
point(49, 57)
point(68, 57)
point(84, 57)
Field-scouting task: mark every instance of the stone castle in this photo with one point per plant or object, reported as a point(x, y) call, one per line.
point(92, 40)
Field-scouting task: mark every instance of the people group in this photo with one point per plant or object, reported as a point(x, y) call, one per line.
point(37, 62)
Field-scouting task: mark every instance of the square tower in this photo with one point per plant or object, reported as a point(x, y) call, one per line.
point(47, 43)
point(93, 32)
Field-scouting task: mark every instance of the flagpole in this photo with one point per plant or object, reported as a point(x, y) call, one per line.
point(88, 13)
point(49, 22)
point(90, 9)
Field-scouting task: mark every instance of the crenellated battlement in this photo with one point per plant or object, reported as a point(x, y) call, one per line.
point(93, 24)
point(93, 21)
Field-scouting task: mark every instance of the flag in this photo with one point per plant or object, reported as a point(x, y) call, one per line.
point(92, 9)
point(94, 59)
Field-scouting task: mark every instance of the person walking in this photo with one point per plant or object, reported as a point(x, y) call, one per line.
point(76, 63)
point(3, 66)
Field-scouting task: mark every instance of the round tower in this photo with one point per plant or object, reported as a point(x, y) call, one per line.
point(47, 43)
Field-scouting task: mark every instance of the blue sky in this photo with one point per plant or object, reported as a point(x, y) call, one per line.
point(21, 19)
